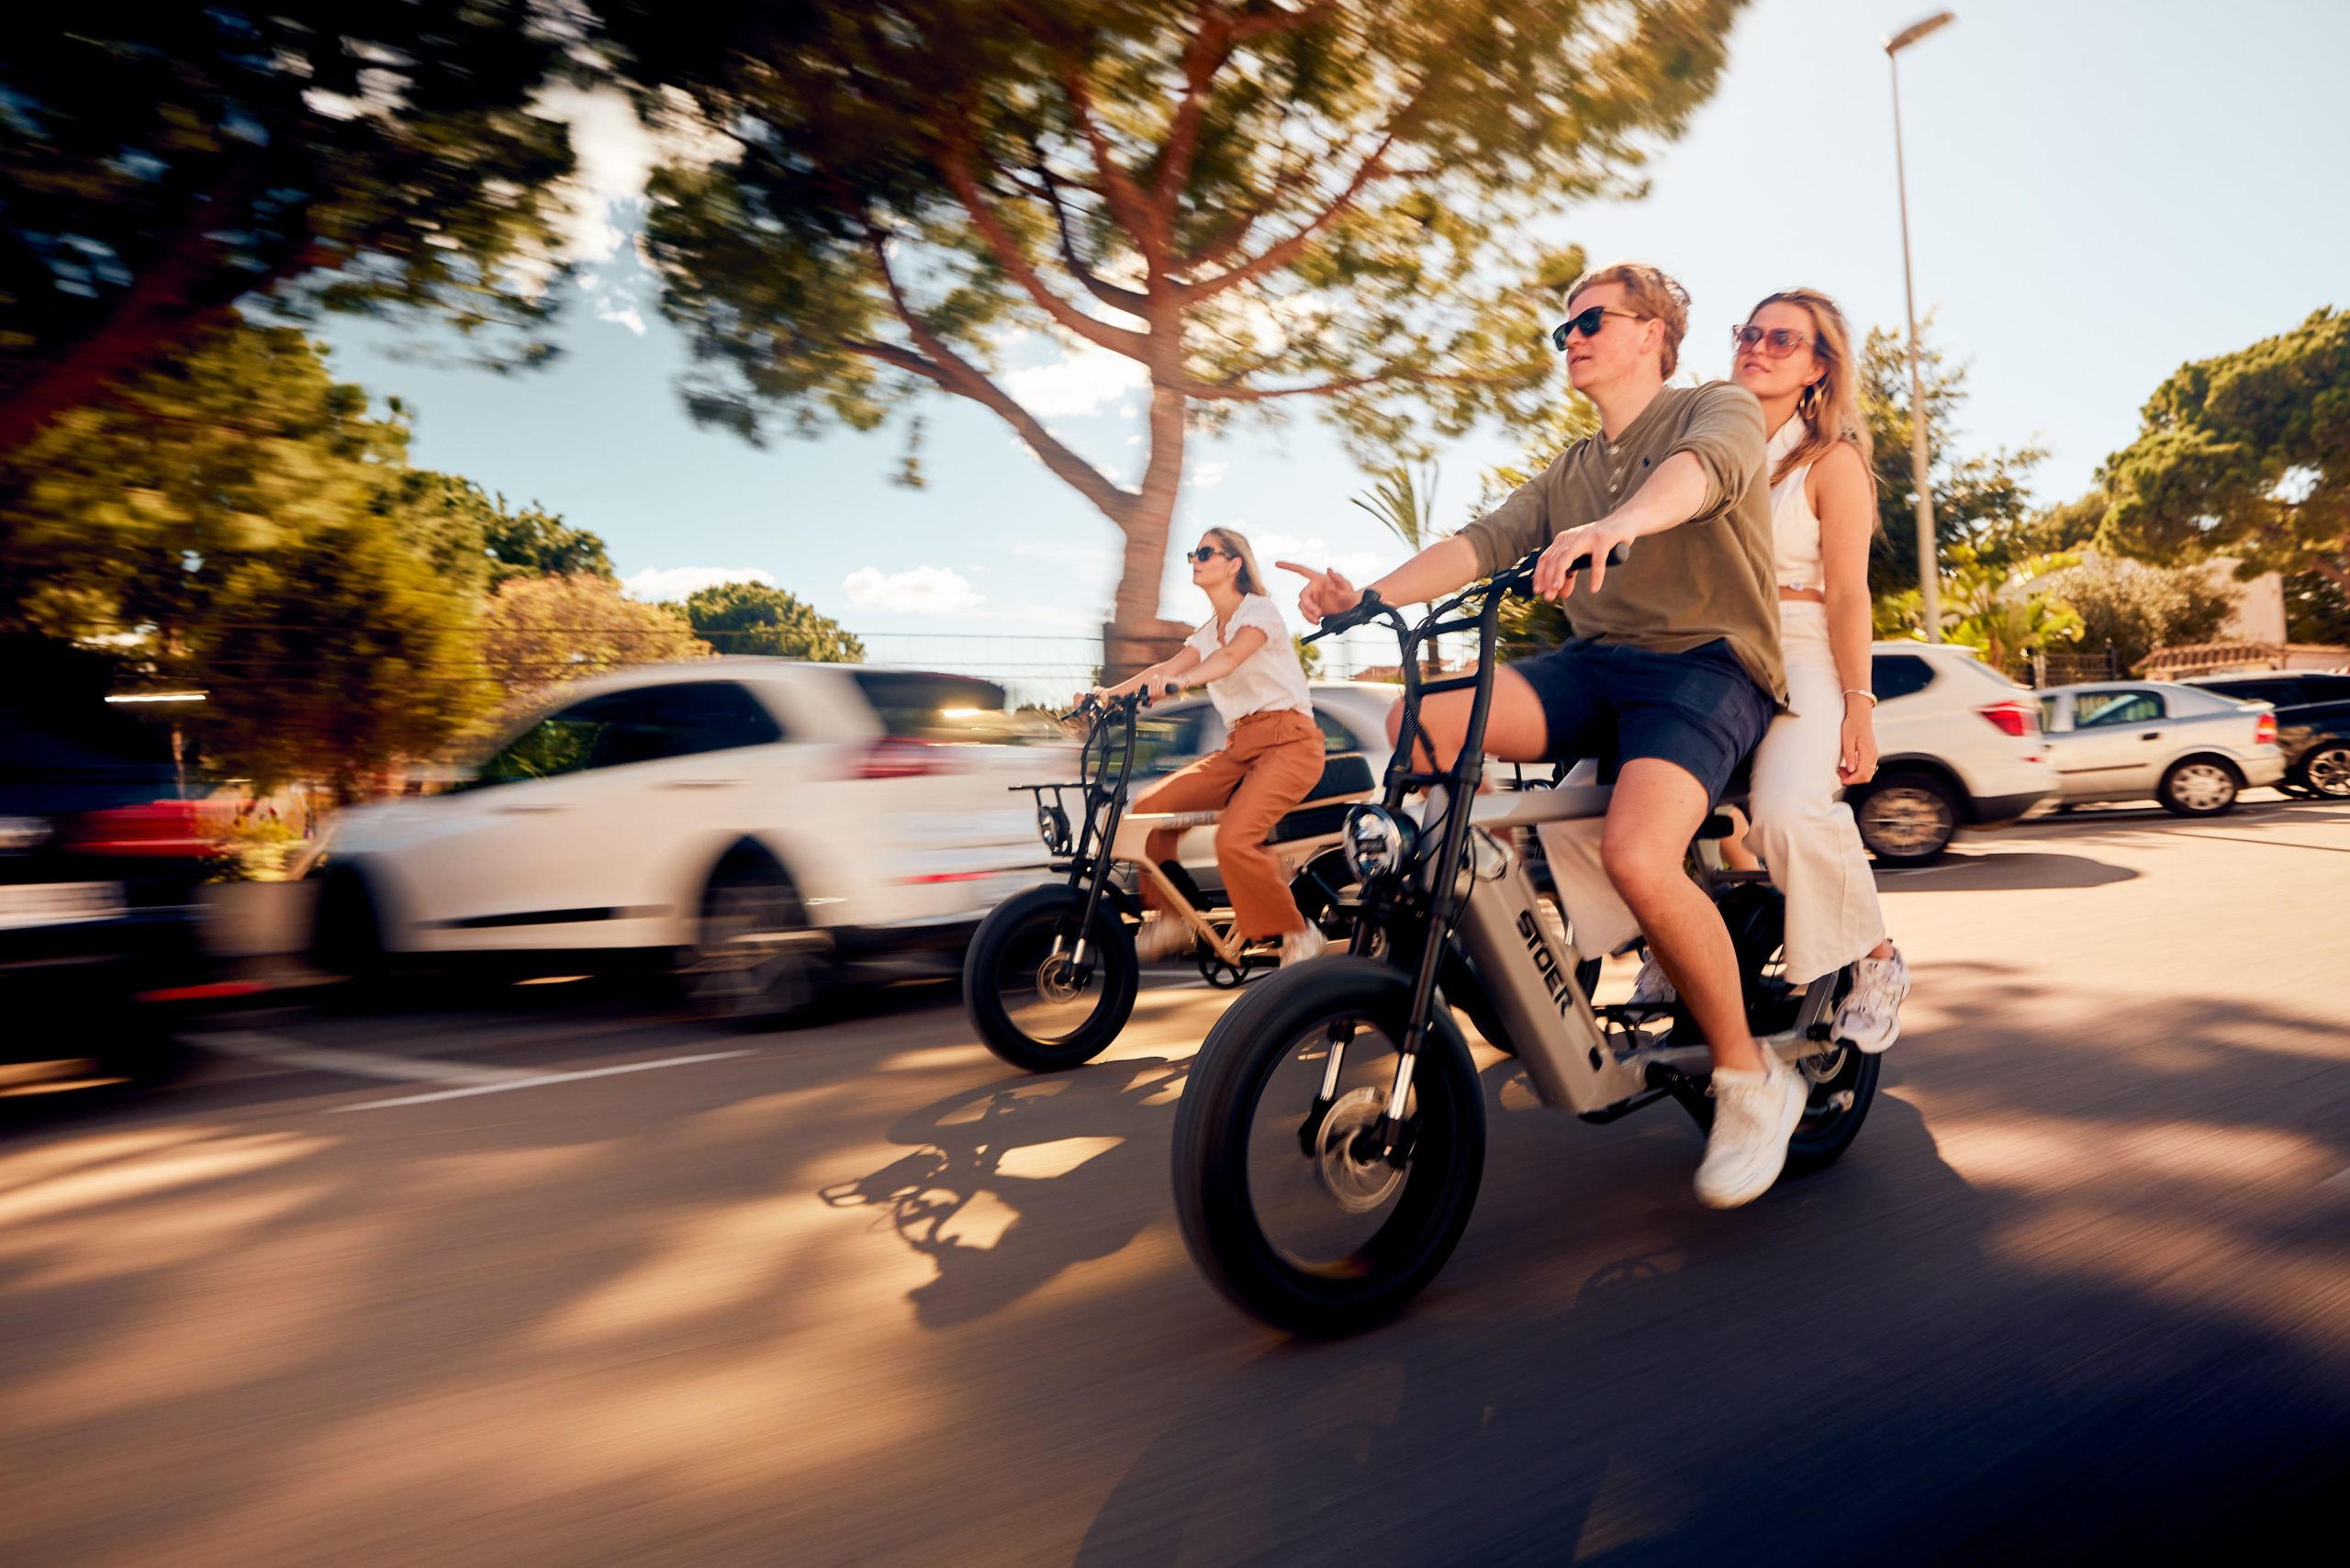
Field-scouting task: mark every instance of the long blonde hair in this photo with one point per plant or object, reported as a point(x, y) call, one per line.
point(1829, 407)
point(1251, 580)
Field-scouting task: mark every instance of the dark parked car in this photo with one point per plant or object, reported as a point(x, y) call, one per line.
point(99, 859)
point(2312, 725)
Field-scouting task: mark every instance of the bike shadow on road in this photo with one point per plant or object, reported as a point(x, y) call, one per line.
point(1009, 1185)
point(1887, 1361)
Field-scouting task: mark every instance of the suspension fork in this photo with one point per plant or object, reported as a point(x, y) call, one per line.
point(1095, 867)
point(1444, 897)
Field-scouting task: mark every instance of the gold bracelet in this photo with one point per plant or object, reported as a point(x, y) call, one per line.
point(1855, 691)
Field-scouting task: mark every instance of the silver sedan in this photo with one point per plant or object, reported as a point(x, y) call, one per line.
point(2192, 750)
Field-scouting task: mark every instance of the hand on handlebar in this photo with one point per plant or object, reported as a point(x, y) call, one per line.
point(1327, 593)
point(1554, 574)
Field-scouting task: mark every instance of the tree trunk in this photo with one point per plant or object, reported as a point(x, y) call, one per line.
point(1135, 636)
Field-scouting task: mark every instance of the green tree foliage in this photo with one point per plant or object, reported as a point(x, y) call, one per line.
point(2244, 454)
point(538, 630)
point(1261, 202)
point(2005, 609)
point(2317, 610)
point(1405, 504)
point(237, 520)
point(163, 162)
point(1977, 498)
point(750, 617)
point(2136, 607)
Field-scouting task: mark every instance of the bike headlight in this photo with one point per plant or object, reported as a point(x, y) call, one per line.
point(1374, 842)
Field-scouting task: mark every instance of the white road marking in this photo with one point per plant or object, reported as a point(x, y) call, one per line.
point(359, 1064)
point(540, 1081)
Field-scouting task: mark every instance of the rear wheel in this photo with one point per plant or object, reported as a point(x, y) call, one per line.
point(1842, 1085)
point(2199, 787)
point(1038, 1000)
point(1289, 1203)
point(2326, 769)
point(1906, 819)
point(754, 959)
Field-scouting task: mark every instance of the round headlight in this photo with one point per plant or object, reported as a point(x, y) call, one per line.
point(1373, 841)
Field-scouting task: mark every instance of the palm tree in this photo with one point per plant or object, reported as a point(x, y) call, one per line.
point(1405, 504)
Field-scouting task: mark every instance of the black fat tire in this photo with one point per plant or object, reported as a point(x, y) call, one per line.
point(347, 942)
point(749, 893)
point(1756, 916)
point(1930, 818)
point(1116, 975)
point(1211, 1154)
point(2168, 792)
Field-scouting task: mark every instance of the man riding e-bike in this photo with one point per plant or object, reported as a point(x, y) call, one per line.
point(1674, 669)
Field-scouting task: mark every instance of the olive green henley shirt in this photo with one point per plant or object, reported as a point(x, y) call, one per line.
point(1710, 578)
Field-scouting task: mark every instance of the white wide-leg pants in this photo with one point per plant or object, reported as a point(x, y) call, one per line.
point(1804, 834)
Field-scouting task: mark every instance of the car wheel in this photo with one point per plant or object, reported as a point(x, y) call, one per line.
point(1907, 819)
point(754, 959)
point(139, 1044)
point(2199, 787)
point(347, 941)
point(2325, 769)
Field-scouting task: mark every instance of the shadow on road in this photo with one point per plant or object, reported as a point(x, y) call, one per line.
point(1003, 1191)
point(2013, 871)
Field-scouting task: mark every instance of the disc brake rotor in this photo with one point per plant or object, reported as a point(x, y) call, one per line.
point(1356, 1186)
point(1057, 979)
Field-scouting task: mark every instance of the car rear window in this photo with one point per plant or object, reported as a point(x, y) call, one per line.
point(948, 708)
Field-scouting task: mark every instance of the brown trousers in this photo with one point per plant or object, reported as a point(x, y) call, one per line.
point(1270, 763)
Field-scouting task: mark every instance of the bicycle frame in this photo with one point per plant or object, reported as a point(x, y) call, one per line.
point(1109, 836)
point(1461, 897)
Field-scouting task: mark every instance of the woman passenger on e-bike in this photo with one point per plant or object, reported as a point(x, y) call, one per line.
point(1272, 760)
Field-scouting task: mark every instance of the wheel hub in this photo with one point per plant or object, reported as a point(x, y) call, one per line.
point(2201, 786)
point(2329, 771)
point(1058, 980)
point(1906, 819)
point(1355, 1183)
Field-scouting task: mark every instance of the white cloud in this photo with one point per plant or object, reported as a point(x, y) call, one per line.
point(625, 315)
point(1210, 474)
point(1084, 381)
point(1358, 566)
point(614, 155)
point(1057, 615)
point(657, 583)
point(925, 590)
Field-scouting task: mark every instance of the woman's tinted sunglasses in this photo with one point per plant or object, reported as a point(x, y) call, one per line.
point(1776, 341)
point(1205, 554)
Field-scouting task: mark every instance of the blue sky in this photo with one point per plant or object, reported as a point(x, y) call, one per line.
point(2099, 192)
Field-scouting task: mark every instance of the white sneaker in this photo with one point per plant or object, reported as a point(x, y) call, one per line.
point(1164, 937)
point(1305, 942)
point(1650, 987)
point(1754, 1115)
point(1871, 1015)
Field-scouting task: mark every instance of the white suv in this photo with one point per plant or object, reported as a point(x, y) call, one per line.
point(758, 821)
point(1958, 745)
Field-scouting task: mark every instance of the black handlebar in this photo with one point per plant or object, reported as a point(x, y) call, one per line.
point(1371, 607)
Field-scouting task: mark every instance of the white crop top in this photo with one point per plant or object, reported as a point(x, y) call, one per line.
point(1795, 527)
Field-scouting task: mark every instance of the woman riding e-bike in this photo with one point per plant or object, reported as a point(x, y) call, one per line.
point(1272, 760)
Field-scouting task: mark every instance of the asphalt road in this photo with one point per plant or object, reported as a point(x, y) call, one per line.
point(548, 1275)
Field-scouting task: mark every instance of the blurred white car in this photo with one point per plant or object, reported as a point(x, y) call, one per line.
point(1958, 746)
point(2192, 749)
point(756, 823)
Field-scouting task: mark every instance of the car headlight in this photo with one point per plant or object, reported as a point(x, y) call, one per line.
point(20, 833)
point(1374, 842)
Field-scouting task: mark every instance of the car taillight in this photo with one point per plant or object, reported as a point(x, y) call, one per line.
point(895, 756)
point(2263, 730)
point(2017, 719)
point(172, 830)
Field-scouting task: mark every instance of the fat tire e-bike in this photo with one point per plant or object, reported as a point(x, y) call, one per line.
point(1331, 1136)
point(1050, 977)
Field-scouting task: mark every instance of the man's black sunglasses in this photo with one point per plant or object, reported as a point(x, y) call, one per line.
point(1588, 323)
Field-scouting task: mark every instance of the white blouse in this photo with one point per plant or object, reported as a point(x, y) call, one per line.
point(1795, 527)
point(1269, 680)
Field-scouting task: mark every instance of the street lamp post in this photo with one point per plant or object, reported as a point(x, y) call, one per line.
point(1929, 581)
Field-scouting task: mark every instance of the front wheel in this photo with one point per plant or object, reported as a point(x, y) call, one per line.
point(1287, 1200)
point(2199, 787)
point(1038, 1001)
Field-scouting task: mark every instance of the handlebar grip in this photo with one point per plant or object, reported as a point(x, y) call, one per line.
point(1365, 608)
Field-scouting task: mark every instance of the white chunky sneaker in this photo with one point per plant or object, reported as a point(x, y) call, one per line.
point(1756, 1114)
point(1305, 942)
point(1650, 987)
point(1163, 937)
point(1871, 1015)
